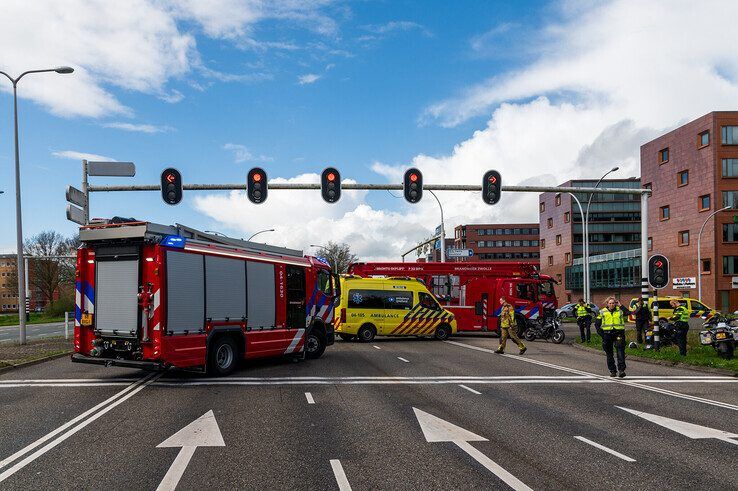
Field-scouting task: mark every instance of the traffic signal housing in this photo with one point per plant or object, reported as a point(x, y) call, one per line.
point(412, 185)
point(491, 187)
point(658, 271)
point(171, 186)
point(330, 185)
point(257, 185)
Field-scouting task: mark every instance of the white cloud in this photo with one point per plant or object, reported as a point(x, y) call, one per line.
point(242, 154)
point(396, 26)
point(74, 155)
point(139, 128)
point(308, 78)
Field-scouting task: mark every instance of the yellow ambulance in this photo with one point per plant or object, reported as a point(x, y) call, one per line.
point(371, 307)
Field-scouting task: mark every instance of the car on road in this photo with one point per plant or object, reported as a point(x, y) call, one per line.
point(569, 310)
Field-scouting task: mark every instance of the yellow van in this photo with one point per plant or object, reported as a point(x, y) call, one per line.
point(697, 308)
point(371, 307)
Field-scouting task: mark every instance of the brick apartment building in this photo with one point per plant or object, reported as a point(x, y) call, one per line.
point(498, 242)
point(8, 287)
point(693, 171)
point(614, 227)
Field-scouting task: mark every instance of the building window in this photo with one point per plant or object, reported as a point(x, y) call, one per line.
point(542, 207)
point(550, 222)
point(534, 231)
point(650, 243)
point(730, 232)
point(567, 217)
point(499, 231)
point(558, 240)
point(730, 198)
point(730, 135)
point(704, 202)
point(706, 266)
point(730, 167)
point(567, 257)
point(684, 238)
point(664, 155)
point(683, 178)
point(480, 231)
point(664, 213)
point(558, 199)
point(730, 264)
point(703, 139)
point(543, 243)
point(550, 260)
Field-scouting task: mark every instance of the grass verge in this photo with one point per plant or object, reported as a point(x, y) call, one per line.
point(12, 354)
point(35, 318)
point(697, 354)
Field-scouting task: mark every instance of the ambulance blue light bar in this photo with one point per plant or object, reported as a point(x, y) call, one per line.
point(175, 241)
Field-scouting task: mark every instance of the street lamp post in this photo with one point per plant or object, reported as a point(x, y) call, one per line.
point(585, 278)
point(443, 230)
point(18, 219)
point(259, 232)
point(586, 232)
point(699, 251)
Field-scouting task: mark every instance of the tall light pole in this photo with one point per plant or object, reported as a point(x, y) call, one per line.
point(18, 219)
point(586, 232)
point(443, 230)
point(259, 232)
point(585, 278)
point(699, 250)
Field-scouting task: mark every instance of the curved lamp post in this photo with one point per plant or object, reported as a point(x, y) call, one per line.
point(259, 232)
point(586, 232)
point(699, 251)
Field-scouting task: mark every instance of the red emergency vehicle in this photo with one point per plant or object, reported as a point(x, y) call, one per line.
point(155, 296)
point(472, 290)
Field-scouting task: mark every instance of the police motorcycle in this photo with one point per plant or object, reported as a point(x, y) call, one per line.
point(547, 327)
point(721, 334)
point(667, 335)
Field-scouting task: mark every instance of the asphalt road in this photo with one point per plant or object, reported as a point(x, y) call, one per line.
point(353, 418)
point(35, 331)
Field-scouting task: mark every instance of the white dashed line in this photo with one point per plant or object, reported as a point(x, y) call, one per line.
point(341, 479)
point(605, 449)
point(403, 359)
point(309, 398)
point(470, 389)
point(375, 346)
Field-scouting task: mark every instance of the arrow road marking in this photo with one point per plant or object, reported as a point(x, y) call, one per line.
point(403, 359)
point(203, 432)
point(437, 430)
point(341, 479)
point(605, 449)
point(375, 346)
point(689, 430)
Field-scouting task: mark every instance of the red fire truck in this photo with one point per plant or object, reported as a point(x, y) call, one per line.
point(154, 296)
point(472, 290)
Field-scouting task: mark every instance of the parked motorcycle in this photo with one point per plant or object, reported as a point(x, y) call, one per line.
point(721, 335)
point(667, 335)
point(547, 328)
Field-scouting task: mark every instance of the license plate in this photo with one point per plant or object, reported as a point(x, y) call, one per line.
point(721, 335)
point(86, 320)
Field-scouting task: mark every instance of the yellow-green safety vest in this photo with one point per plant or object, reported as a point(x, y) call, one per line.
point(682, 312)
point(612, 320)
point(582, 311)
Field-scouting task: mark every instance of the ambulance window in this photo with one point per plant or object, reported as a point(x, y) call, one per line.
point(324, 282)
point(398, 300)
point(366, 299)
point(698, 306)
point(427, 301)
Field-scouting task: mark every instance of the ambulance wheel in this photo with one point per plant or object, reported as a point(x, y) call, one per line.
point(314, 346)
point(366, 333)
point(223, 356)
point(443, 332)
point(346, 337)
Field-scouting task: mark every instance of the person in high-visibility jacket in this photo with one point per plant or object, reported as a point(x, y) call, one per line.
point(584, 319)
point(680, 317)
point(611, 323)
point(508, 326)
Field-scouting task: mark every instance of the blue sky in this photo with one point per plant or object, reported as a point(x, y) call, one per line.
point(214, 88)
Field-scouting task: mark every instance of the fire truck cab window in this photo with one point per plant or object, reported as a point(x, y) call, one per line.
point(545, 288)
point(427, 301)
point(525, 291)
point(324, 282)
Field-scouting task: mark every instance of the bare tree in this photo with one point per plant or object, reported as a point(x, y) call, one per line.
point(339, 256)
point(54, 265)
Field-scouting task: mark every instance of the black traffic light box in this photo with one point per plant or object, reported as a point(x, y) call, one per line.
point(330, 185)
point(491, 187)
point(658, 271)
point(171, 186)
point(257, 185)
point(412, 185)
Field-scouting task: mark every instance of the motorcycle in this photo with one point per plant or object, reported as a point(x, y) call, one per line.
point(667, 335)
point(721, 335)
point(547, 328)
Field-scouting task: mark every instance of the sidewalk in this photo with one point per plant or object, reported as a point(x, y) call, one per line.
point(13, 354)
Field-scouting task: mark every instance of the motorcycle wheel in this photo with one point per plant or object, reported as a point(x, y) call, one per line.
point(725, 350)
point(529, 335)
point(558, 336)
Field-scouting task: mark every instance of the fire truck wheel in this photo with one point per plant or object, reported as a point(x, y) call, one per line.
point(366, 333)
point(314, 346)
point(222, 358)
point(443, 332)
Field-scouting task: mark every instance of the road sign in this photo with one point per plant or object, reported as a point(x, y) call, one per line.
point(75, 214)
point(734, 282)
point(75, 196)
point(687, 283)
point(438, 230)
point(111, 169)
point(460, 253)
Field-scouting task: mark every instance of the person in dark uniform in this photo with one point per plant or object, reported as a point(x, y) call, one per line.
point(680, 317)
point(611, 323)
point(584, 319)
point(643, 318)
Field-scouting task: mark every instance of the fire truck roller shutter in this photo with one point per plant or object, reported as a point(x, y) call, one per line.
point(116, 306)
point(226, 288)
point(185, 292)
point(260, 288)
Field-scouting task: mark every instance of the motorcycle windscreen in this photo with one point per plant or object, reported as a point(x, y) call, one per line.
point(116, 300)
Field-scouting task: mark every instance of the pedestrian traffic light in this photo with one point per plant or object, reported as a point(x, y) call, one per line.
point(658, 271)
point(257, 185)
point(491, 187)
point(413, 185)
point(171, 186)
point(330, 185)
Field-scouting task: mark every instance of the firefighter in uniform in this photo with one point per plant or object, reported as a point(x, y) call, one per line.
point(681, 322)
point(584, 319)
point(611, 322)
point(508, 325)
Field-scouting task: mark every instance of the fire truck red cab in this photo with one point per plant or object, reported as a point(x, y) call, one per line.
point(156, 296)
point(472, 290)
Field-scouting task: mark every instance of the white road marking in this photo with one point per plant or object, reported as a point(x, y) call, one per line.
point(309, 398)
point(117, 399)
point(605, 449)
point(375, 346)
point(689, 430)
point(341, 479)
point(659, 390)
point(403, 359)
point(470, 389)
